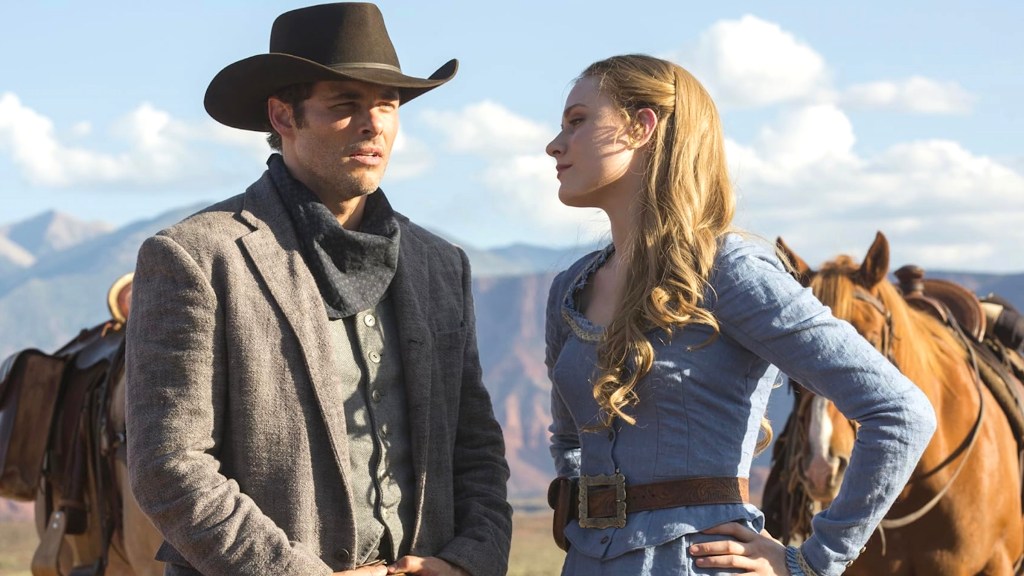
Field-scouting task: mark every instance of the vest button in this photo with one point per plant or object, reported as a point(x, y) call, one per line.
point(369, 320)
point(342, 555)
point(375, 357)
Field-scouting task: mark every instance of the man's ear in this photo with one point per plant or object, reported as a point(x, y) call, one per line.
point(280, 115)
point(645, 121)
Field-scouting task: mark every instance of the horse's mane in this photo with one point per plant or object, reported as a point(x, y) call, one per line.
point(921, 344)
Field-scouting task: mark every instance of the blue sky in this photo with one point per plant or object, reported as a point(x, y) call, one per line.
point(842, 118)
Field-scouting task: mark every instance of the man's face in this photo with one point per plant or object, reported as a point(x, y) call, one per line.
point(342, 147)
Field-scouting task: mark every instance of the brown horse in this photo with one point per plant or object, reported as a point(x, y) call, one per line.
point(88, 520)
point(960, 513)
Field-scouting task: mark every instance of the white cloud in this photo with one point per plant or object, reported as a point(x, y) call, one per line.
point(45, 161)
point(520, 182)
point(800, 177)
point(253, 144)
point(410, 157)
point(158, 150)
point(751, 62)
point(916, 95)
point(526, 192)
point(941, 205)
point(81, 129)
point(488, 128)
point(805, 136)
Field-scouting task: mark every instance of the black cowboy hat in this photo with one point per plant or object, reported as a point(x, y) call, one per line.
point(344, 41)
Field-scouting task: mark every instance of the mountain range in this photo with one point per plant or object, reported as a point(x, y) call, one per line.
point(55, 271)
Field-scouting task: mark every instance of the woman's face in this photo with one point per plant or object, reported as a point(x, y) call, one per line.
point(593, 154)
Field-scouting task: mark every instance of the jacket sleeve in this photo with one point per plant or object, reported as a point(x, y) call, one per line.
point(758, 304)
point(483, 516)
point(175, 403)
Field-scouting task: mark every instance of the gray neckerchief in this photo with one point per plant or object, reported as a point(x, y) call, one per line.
point(353, 269)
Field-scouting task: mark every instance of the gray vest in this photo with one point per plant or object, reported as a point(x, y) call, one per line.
point(379, 445)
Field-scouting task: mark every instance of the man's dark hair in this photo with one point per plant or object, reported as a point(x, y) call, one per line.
point(293, 95)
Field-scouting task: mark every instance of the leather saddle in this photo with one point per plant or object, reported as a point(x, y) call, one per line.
point(1000, 368)
point(56, 441)
point(29, 387)
point(943, 299)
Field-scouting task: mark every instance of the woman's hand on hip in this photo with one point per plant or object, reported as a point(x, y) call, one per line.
point(758, 554)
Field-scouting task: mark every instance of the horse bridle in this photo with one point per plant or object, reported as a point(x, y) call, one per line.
point(885, 344)
point(885, 347)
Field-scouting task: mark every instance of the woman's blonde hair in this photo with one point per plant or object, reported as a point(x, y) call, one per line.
point(684, 206)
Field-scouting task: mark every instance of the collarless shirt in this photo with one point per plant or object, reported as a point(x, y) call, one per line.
point(378, 434)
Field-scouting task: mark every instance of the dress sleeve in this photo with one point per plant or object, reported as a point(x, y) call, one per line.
point(565, 440)
point(760, 306)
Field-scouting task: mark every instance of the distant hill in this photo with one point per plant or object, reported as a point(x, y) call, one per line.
point(1009, 286)
point(65, 290)
point(13, 257)
point(55, 284)
point(51, 232)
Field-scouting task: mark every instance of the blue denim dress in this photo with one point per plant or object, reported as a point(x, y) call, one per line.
point(700, 409)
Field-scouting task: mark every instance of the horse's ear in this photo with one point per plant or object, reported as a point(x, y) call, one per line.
point(796, 265)
point(876, 263)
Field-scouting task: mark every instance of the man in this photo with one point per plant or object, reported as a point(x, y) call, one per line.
point(304, 389)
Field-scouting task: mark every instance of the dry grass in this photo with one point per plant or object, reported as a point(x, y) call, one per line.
point(17, 543)
point(533, 551)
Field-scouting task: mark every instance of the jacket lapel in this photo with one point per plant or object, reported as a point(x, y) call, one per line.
point(274, 249)
point(407, 292)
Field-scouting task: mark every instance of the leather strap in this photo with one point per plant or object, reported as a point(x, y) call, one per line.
point(666, 494)
point(46, 560)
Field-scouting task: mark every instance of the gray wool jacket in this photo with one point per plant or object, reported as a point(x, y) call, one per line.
point(237, 443)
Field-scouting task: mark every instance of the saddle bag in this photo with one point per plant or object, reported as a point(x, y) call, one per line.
point(29, 389)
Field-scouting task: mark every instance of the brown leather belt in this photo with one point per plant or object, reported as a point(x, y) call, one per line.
point(603, 501)
point(603, 495)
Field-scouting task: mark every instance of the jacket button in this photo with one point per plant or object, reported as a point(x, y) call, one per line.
point(604, 540)
point(342, 555)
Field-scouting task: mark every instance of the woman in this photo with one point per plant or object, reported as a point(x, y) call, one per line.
point(663, 347)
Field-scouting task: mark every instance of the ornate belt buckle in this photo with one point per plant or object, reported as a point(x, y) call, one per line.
point(619, 482)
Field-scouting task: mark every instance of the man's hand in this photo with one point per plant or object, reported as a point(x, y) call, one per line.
point(429, 566)
point(374, 570)
point(756, 553)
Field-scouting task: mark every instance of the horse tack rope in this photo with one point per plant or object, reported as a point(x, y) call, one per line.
point(797, 514)
point(972, 437)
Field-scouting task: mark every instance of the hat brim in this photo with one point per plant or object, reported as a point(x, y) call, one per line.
point(237, 95)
